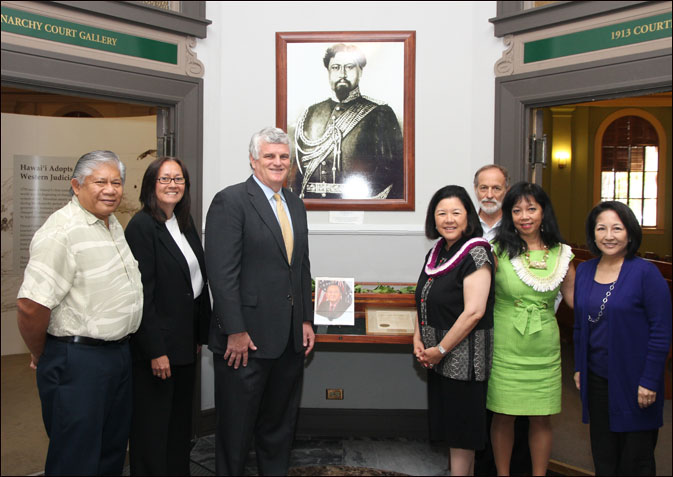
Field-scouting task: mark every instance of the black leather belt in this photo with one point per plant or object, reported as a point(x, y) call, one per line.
point(88, 341)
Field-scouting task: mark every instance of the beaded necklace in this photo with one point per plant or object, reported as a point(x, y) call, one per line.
point(537, 264)
point(605, 302)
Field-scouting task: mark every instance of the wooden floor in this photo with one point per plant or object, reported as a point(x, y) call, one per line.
point(24, 441)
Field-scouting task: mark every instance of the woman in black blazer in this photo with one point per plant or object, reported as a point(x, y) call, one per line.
point(176, 316)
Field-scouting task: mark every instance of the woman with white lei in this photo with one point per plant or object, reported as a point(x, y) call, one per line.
point(453, 337)
point(533, 265)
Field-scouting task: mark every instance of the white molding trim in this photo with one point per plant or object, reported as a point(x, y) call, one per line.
point(410, 230)
point(367, 229)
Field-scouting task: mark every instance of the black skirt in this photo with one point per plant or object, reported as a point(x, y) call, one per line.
point(457, 412)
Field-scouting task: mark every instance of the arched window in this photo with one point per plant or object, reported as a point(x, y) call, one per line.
point(629, 165)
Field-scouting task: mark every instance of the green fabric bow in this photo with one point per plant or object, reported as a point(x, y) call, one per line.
point(529, 316)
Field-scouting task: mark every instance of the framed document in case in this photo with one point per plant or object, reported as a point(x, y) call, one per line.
point(390, 321)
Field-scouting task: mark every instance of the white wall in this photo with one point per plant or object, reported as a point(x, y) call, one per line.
point(455, 54)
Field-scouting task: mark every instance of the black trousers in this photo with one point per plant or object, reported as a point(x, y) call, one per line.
point(617, 453)
point(86, 407)
point(260, 400)
point(161, 428)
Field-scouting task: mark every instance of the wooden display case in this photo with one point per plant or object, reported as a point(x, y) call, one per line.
point(358, 332)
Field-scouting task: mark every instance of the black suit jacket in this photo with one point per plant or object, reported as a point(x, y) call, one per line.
point(254, 287)
point(168, 326)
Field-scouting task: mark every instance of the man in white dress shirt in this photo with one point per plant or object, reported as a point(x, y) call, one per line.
point(491, 183)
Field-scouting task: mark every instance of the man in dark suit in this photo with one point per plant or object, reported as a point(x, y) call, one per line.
point(334, 303)
point(260, 278)
point(332, 306)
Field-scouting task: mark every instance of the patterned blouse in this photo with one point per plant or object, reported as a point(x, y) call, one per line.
point(439, 302)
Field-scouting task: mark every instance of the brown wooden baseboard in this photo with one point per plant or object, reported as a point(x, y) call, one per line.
point(566, 469)
point(321, 422)
point(206, 423)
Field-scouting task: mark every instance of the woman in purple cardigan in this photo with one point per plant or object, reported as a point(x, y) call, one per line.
point(622, 336)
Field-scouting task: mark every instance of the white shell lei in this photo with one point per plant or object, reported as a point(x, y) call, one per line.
point(550, 282)
point(433, 271)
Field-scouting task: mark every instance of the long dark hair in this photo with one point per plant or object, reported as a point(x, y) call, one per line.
point(507, 239)
point(148, 194)
point(473, 228)
point(628, 218)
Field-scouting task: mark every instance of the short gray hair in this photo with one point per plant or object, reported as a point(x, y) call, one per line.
point(502, 169)
point(92, 161)
point(268, 135)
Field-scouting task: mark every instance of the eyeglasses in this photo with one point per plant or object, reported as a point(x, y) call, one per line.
point(337, 68)
point(168, 180)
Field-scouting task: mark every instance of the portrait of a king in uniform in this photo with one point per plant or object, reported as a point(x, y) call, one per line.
point(349, 146)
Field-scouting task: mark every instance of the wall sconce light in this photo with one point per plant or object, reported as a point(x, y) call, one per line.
point(562, 158)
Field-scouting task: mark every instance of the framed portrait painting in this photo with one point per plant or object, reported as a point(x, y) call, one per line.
point(347, 101)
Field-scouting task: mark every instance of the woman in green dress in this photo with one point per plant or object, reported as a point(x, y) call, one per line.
point(533, 265)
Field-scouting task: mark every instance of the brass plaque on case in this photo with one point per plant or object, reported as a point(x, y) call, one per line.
point(390, 321)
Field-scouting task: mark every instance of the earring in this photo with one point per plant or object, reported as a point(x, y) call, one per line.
point(541, 228)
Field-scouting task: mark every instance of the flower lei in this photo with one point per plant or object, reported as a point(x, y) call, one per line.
point(551, 281)
point(449, 265)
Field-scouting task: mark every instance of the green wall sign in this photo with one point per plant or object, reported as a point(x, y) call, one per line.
point(627, 33)
point(38, 26)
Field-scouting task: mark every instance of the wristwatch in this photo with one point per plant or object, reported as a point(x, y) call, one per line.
point(441, 349)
